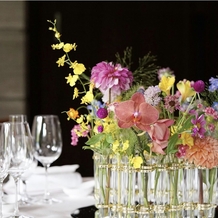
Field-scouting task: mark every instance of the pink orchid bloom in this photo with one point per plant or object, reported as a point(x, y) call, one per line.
point(136, 112)
point(160, 133)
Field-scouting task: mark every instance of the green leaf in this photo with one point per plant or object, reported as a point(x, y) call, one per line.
point(187, 124)
point(109, 138)
point(172, 142)
point(95, 139)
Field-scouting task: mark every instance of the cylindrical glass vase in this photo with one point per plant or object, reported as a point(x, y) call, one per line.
point(206, 192)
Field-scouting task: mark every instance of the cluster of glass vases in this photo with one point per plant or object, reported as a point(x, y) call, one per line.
point(163, 188)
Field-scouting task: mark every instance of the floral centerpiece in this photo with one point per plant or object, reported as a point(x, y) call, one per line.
point(151, 136)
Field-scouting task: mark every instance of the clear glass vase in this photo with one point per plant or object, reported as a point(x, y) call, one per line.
point(102, 183)
point(189, 190)
point(206, 192)
point(168, 188)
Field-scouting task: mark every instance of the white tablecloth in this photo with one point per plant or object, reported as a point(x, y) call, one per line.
point(58, 187)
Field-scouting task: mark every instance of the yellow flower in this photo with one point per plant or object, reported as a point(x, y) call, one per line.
point(185, 89)
point(72, 114)
point(78, 68)
point(75, 93)
point(87, 98)
point(88, 118)
point(125, 145)
point(137, 161)
point(80, 119)
point(68, 47)
point(61, 61)
point(57, 35)
point(110, 127)
point(187, 139)
point(72, 79)
point(115, 146)
point(57, 46)
point(166, 83)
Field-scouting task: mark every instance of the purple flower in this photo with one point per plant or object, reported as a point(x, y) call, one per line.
point(94, 106)
point(152, 95)
point(102, 113)
point(198, 130)
point(199, 86)
point(111, 79)
point(213, 84)
point(100, 128)
point(165, 72)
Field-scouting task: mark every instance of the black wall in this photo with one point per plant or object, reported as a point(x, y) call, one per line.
point(183, 36)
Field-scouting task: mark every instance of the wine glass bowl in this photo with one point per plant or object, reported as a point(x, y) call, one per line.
point(17, 118)
point(47, 142)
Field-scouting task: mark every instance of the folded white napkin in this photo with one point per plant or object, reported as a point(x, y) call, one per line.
point(84, 189)
point(57, 169)
point(59, 177)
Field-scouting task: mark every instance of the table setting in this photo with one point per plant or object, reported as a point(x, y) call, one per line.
point(65, 184)
point(30, 186)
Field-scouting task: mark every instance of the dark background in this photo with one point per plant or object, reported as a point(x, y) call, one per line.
point(182, 35)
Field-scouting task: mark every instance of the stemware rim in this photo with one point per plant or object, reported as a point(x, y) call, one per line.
point(46, 115)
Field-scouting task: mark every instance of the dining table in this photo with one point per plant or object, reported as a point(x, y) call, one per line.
point(65, 184)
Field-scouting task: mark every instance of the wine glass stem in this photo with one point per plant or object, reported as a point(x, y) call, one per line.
point(46, 193)
point(24, 189)
point(1, 190)
point(16, 209)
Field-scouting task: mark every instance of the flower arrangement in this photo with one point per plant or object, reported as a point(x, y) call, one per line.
point(141, 118)
point(144, 115)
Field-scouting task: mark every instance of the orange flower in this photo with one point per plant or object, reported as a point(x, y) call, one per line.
point(72, 114)
point(204, 152)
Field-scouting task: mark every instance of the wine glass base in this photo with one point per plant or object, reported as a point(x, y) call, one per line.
point(19, 216)
point(25, 201)
point(49, 201)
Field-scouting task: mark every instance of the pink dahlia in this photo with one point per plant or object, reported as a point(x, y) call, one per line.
point(204, 152)
point(107, 76)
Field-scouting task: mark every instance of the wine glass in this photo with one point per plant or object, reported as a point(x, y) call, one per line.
point(5, 158)
point(47, 138)
point(22, 182)
point(20, 140)
point(17, 118)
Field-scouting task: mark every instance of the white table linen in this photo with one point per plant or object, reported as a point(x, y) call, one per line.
point(63, 183)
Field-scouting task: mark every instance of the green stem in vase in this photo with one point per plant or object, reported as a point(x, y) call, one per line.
point(118, 181)
point(145, 188)
point(212, 179)
point(174, 186)
point(108, 176)
point(129, 187)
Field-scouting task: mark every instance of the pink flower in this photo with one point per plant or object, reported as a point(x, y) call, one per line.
point(160, 133)
point(181, 151)
point(77, 132)
point(136, 112)
point(107, 76)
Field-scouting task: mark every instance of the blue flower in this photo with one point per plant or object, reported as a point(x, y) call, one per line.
point(215, 106)
point(94, 106)
point(213, 84)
